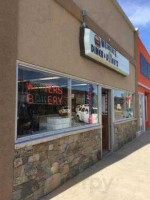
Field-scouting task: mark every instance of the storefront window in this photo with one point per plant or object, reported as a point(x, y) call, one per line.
point(123, 104)
point(42, 102)
point(46, 103)
point(84, 103)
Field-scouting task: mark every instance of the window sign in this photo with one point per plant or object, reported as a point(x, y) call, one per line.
point(95, 48)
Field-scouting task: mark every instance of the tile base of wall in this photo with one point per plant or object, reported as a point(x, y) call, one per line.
point(124, 133)
point(41, 168)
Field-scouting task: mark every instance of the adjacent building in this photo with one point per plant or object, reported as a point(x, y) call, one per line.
point(143, 86)
point(71, 91)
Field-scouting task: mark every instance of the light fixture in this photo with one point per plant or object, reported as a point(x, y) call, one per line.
point(84, 14)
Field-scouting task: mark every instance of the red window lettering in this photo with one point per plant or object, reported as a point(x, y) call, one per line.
point(60, 90)
point(49, 100)
point(29, 86)
point(46, 88)
point(54, 100)
point(55, 89)
point(60, 101)
point(50, 89)
point(29, 99)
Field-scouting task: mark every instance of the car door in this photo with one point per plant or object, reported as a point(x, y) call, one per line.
point(86, 115)
point(82, 114)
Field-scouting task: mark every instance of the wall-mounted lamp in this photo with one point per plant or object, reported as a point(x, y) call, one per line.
point(84, 14)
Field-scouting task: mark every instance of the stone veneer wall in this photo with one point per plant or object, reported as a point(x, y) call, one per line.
point(123, 133)
point(41, 168)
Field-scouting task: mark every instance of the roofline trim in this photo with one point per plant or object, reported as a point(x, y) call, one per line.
point(115, 2)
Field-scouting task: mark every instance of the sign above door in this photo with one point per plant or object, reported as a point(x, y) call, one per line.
point(97, 49)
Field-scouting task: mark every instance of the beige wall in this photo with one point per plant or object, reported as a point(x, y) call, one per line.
point(49, 37)
point(8, 47)
point(109, 18)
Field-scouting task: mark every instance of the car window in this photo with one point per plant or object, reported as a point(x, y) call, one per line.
point(83, 109)
point(94, 111)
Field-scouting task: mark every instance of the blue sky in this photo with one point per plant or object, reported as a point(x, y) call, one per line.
point(138, 12)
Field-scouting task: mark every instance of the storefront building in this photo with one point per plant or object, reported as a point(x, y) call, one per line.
point(73, 97)
point(143, 87)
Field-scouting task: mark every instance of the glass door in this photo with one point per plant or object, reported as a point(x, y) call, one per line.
point(141, 112)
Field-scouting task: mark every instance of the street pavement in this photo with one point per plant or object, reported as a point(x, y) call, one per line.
point(123, 175)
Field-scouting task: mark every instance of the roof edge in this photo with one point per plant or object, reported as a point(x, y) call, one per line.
point(115, 2)
point(140, 40)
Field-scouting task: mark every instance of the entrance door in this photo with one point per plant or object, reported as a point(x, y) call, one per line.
point(106, 115)
point(142, 112)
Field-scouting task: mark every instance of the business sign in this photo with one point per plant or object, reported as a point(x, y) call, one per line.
point(95, 48)
point(43, 94)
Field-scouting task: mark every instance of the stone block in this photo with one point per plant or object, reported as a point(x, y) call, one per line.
point(20, 180)
point(76, 137)
point(63, 148)
point(31, 169)
point(34, 158)
point(65, 169)
point(63, 140)
point(55, 168)
point(51, 147)
point(19, 176)
point(40, 148)
point(43, 156)
point(75, 161)
point(38, 194)
point(26, 190)
point(31, 197)
point(19, 171)
point(70, 158)
point(18, 162)
point(71, 139)
point(52, 183)
point(17, 195)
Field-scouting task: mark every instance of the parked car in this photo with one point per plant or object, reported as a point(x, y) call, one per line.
point(119, 107)
point(85, 116)
point(79, 107)
point(64, 111)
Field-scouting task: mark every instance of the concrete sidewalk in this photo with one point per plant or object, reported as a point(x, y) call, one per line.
point(124, 175)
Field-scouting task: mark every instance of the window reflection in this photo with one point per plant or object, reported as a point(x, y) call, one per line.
point(44, 102)
point(84, 103)
point(123, 104)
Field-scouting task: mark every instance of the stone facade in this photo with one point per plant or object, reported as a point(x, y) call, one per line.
point(123, 133)
point(41, 168)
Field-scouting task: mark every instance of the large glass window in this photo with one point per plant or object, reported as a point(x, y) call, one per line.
point(46, 102)
point(84, 103)
point(42, 102)
point(123, 104)
point(144, 66)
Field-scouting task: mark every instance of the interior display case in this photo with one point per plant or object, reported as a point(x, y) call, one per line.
point(54, 123)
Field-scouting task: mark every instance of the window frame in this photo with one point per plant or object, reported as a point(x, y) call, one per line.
point(144, 67)
point(46, 134)
point(123, 119)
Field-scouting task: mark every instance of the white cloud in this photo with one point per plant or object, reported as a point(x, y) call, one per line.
point(138, 13)
point(140, 16)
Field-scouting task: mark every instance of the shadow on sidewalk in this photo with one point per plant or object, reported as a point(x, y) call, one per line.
point(125, 151)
